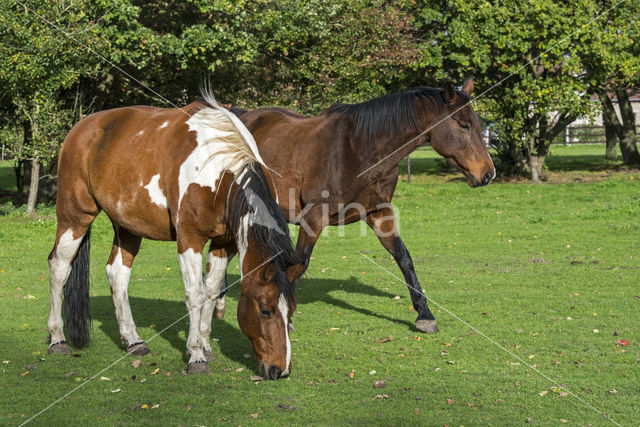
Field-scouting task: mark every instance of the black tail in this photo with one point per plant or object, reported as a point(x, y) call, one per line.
point(76, 296)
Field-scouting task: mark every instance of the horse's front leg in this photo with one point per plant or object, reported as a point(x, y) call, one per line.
point(190, 258)
point(214, 289)
point(383, 223)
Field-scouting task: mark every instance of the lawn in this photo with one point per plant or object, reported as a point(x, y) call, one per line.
point(533, 287)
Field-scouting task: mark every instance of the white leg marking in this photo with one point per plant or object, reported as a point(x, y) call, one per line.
point(59, 270)
point(284, 310)
point(119, 275)
point(191, 267)
point(155, 192)
point(212, 288)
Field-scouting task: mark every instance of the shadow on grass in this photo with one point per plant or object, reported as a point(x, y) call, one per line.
point(161, 313)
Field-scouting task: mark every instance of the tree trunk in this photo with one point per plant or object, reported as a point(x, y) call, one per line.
point(33, 186)
point(630, 155)
point(611, 136)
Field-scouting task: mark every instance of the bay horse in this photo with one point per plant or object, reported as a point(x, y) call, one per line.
point(342, 166)
point(188, 175)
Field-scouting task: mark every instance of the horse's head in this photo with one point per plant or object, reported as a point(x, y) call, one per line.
point(266, 303)
point(458, 137)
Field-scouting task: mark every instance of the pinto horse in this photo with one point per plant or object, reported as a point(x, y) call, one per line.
point(187, 175)
point(342, 166)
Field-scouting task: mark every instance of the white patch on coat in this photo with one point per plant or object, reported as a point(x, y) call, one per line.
point(283, 306)
point(221, 145)
point(242, 240)
point(140, 133)
point(164, 125)
point(155, 192)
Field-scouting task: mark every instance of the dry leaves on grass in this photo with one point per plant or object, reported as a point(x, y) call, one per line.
point(380, 384)
point(136, 363)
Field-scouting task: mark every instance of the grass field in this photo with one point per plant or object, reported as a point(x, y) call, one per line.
point(532, 285)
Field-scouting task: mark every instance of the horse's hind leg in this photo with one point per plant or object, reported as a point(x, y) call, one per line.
point(125, 248)
point(68, 240)
point(214, 283)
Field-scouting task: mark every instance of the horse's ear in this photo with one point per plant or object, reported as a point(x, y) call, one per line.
point(467, 87)
point(269, 272)
point(294, 272)
point(449, 94)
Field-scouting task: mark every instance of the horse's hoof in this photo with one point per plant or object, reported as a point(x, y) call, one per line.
point(429, 326)
point(208, 354)
point(219, 313)
point(291, 328)
point(139, 349)
point(59, 348)
point(198, 367)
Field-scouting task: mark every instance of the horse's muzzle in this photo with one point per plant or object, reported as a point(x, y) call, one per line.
point(273, 373)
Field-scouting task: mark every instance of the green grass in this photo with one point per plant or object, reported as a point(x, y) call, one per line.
point(535, 269)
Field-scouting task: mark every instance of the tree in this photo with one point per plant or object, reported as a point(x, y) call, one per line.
point(525, 56)
point(610, 53)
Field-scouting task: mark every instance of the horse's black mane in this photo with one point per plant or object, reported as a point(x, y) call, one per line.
point(267, 223)
point(391, 113)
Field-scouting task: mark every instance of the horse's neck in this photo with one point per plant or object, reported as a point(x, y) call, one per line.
point(385, 152)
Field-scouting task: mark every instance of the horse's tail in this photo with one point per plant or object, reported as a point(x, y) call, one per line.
point(76, 296)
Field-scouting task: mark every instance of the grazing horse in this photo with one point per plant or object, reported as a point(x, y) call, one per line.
point(342, 165)
point(187, 175)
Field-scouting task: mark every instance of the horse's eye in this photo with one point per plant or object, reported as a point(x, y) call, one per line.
point(465, 126)
point(265, 313)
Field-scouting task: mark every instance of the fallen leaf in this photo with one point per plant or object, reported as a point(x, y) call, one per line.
point(380, 384)
point(372, 372)
point(595, 331)
point(334, 329)
point(167, 373)
point(396, 297)
point(6, 362)
point(623, 343)
point(144, 406)
point(118, 390)
point(564, 394)
point(416, 411)
point(24, 373)
point(380, 396)
point(68, 374)
point(254, 415)
point(613, 391)
point(543, 392)
point(136, 363)
point(155, 371)
point(105, 379)
point(563, 421)
point(390, 338)
point(470, 405)
point(239, 369)
point(255, 378)
point(351, 373)
point(155, 406)
point(451, 401)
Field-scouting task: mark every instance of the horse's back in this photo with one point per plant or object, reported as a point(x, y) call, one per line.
point(123, 159)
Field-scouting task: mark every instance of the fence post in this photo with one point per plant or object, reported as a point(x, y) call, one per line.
point(409, 169)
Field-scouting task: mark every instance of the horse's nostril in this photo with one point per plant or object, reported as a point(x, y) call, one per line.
point(487, 177)
point(274, 372)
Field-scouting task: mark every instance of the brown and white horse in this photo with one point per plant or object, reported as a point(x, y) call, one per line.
point(341, 166)
point(187, 175)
